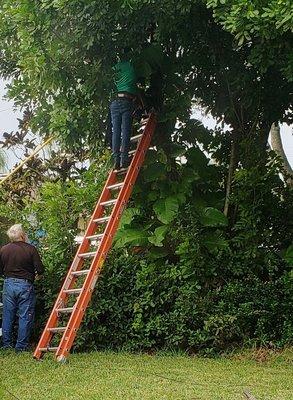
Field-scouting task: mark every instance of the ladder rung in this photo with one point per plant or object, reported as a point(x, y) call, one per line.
point(136, 138)
point(57, 329)
point(101, 220)
point(95, 237)
point(65, 310)
point(81, 272)
point(48, 348)
point(87, 255)
point(108, 203)
point(73, 291)
point(116, 186)
point(121, 171)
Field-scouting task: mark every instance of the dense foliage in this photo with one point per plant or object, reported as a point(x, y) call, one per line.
point(60, 54)
point(180, 275)
point(264, 27)
point(183, 273)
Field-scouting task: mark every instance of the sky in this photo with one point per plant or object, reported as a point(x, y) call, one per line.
point(8, 123)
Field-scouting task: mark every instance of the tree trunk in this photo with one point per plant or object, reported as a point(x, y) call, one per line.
point(277, 146)
point(232, 167)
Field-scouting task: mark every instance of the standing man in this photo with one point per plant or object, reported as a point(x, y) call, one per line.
point(122, 108)
point(19, 263)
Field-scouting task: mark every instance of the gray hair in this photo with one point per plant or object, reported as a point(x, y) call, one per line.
point(16, 233)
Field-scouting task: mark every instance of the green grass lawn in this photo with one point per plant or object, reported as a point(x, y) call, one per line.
point(126, 376)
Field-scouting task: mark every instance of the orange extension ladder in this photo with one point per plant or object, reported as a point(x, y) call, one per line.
point(77, 289)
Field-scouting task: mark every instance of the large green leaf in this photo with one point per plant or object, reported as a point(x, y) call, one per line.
point(153, 195)
point(158, 236)
point(166, 209)
point(130, 236)
point(151, 157)
point(157, 253)
point(196, 158)
point(289, 255)
point(176, 150)
point(128, 216)
point(214, 241)
point(210, 216)
point(189, 175)
point(154, 171)
point(199, 202)
point(150, 60)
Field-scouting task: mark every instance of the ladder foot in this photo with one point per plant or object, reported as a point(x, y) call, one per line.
point(61, 359)
point(38, 359)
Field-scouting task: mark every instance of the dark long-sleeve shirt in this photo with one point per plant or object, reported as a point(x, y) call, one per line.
point(20, 260)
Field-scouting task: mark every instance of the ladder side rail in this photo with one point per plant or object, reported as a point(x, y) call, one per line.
point(98, 211)
point(129, 180)
point(76, 265)
point(127, 187)
point(82, 302)
point(125, 192)
point(97, 263)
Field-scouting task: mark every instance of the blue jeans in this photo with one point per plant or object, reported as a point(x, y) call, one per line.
point(18, 300)
point(121, 117)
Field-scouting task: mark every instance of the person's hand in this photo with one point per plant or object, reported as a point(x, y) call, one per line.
point(38, 277)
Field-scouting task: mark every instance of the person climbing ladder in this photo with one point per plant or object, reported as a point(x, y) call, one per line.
point(122, 108)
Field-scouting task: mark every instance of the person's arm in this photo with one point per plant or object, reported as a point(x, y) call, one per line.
point(38, 265)
point(140, 99)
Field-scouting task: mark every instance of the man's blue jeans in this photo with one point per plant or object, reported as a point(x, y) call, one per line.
point(121, 117)
point(18, 300)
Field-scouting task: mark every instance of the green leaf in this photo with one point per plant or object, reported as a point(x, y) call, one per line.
point(166, 209)
point(158, 236)
point(154, 56)
point(197, 159)
point(289, 255)
point(154, 171)
point(190, 175)
point(128, 216)
point(176, 150)
point(143, 69)
point(157, 252)
point(199, 203)
point(214, 241)
point(135, 237)
point(210, 216)
point(162, 157)
point(151, 157)
point(153, 195)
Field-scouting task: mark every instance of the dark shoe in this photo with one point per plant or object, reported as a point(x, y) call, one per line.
point(22, 350)
point(117, 165)
point(125, 164)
